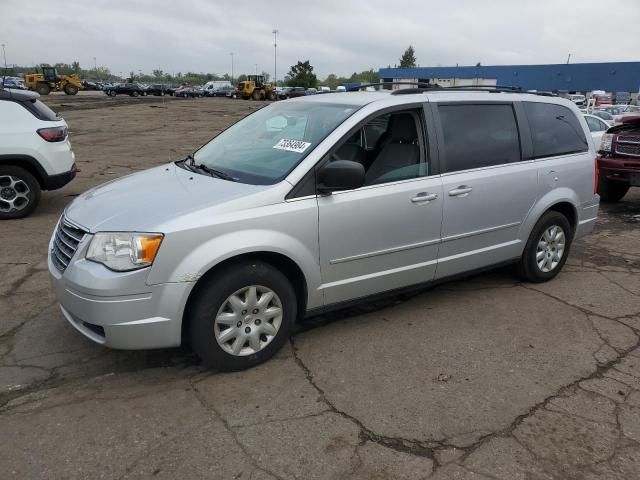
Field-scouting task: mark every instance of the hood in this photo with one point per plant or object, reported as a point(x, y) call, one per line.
point(145, 200)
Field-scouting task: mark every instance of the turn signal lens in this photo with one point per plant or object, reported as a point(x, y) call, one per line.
point(147, 248)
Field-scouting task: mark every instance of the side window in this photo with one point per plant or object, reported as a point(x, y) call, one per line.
point(479, 136)
point(555, 130)
point(593, 124)
point(389, 146)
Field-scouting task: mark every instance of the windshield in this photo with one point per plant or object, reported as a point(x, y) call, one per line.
point(264, 147)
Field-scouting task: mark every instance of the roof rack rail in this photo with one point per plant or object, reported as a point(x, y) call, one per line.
point(421, 87)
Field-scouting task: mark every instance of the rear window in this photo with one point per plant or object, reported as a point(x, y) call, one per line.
point(40, 110)
point(478, 136)
point(555, 130)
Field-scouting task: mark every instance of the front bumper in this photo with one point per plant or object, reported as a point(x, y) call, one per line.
point(119, 310)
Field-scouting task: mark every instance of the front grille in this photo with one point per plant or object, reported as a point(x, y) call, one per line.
point(628, 139)
point(628, 149)
point(65, 244)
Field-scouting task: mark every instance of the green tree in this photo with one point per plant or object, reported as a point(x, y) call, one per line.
point(157, 73)
point(76, 67)
point(408, 59)
point(301, 75)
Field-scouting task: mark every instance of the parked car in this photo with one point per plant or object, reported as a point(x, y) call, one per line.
point(291, 92)
point(311, 91)
point(619, 160)
point(597, 127)
point(333, 199)
point(132, 89)
point(217, 88)
point(603, 115)
point(223, 91)
point(622, 98)
point(578, 99)
point(603, 99)
point(35, 152)
point(15, 83)
point(190, 92)
point(157, 90)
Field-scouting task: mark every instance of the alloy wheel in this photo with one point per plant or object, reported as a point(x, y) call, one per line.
point(248, 320)
point(14, 194)
point(550, 250)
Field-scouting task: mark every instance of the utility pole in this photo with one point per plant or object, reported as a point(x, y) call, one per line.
point(4, 56)
point(568, 59)
point(256, 69)
point(275, 57)
point(231, 67)
point(95, 67)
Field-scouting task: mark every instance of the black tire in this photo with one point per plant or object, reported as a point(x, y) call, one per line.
point(272, 96)
point(134, 93)
point(5, 194)
point(43, 88)
point(612, 191)
point(528, 267)
point(70, 89)
point(112, 93)
point(204, 307)
point(256, 95)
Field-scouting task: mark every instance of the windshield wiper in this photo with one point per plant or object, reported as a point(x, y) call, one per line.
point(212, 171)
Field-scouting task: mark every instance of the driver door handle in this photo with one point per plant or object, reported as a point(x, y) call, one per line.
point(424, 197)
point(462, 190)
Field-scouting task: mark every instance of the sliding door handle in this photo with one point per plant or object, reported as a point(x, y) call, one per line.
point(461, 191)
point(424, 197)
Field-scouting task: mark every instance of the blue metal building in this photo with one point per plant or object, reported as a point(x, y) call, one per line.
point(574, 77)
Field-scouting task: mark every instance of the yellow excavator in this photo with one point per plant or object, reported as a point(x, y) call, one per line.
point(49, 80)
point(254, 88)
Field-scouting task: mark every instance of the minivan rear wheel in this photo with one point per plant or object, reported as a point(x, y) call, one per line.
point(547, 249)
point(241, 316)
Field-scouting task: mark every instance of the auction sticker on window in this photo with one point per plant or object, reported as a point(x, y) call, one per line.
point(297, 146)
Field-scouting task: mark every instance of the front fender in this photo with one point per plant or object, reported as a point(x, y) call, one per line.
point(214, 251)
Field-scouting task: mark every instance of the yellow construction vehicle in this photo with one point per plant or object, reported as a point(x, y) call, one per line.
point(49, 80)
point(254, 88)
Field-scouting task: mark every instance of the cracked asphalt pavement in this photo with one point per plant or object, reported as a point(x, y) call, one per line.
point(482, 378)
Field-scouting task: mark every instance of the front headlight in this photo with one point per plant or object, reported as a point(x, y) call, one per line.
point(605, 144)
point(123, 251)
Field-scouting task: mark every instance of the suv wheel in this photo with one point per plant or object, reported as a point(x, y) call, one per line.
point(547, 248)
point(134, 93)
point(19, 192)
point(112, 93)
point(612, 191)
point(242, 316)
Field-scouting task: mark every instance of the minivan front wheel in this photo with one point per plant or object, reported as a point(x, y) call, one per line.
point(242, 316)
point(547, 248)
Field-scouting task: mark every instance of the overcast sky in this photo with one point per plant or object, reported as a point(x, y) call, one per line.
point(336, 36)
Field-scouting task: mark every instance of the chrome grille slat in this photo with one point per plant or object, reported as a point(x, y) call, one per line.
point(65, 243)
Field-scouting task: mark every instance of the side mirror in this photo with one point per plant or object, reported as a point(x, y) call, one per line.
point(340, 175)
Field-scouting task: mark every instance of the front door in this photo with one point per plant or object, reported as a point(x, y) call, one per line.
point(384, 235)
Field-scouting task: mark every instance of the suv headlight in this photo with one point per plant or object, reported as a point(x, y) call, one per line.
point(124, 251)
point(605, 144)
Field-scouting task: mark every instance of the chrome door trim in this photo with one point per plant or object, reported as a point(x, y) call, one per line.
point(347, 281)
point(480, 232)
point(385, 251)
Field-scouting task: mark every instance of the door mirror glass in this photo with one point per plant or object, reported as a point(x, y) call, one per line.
point(340, 175)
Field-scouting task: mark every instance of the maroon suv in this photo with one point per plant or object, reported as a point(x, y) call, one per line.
point(619, 160)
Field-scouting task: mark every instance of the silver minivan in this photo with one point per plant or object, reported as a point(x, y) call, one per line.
point(310, 204)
